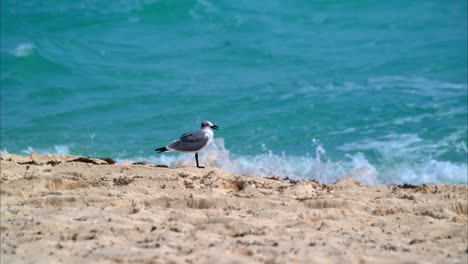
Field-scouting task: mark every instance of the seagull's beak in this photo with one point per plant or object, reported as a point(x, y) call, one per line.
point(215, 127)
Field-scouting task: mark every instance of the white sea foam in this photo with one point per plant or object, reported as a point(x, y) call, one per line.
point(62, 149)
point(390, 146)
point(57, 149)
point(431, 172)
point(23, 50)
point(319, 167)
point(417, 83)
point(28, 150)
point(202, 7)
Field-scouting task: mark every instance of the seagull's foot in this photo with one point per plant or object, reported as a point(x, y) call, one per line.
point(201, 167)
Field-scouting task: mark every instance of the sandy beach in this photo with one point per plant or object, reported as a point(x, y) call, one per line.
point(68, 209)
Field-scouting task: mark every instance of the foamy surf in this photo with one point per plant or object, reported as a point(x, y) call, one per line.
point(23, 50)
point(319, 166)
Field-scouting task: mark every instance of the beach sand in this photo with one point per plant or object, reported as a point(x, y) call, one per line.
point(66, 209)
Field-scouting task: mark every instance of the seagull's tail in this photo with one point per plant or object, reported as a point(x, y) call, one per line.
point(161, 150)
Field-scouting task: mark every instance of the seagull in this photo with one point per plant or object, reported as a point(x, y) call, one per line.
point(192, 142)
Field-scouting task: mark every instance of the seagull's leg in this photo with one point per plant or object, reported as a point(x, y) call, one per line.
point(196, 158)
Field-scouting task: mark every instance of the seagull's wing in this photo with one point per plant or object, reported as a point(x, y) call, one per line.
point(190, 142)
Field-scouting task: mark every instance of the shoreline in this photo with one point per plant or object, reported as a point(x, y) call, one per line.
point(61, 208)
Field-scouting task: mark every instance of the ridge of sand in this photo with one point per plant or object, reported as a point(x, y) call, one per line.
point(68, 209)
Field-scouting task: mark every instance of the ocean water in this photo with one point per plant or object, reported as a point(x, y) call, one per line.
point(372, 90)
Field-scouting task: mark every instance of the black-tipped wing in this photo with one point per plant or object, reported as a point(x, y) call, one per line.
point(161, 150)
point(190, 142)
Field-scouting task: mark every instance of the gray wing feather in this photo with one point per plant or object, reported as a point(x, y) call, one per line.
point(189, 142)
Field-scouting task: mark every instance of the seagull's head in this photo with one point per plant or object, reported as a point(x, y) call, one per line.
point(208, 124)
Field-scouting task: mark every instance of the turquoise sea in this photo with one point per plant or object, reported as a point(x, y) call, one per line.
point(373, 90)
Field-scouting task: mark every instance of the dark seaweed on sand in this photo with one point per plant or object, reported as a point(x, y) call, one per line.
point(89, 160)
point(408, 186)
point(108, 160)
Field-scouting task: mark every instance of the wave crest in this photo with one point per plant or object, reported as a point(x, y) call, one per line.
point(319, 167)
